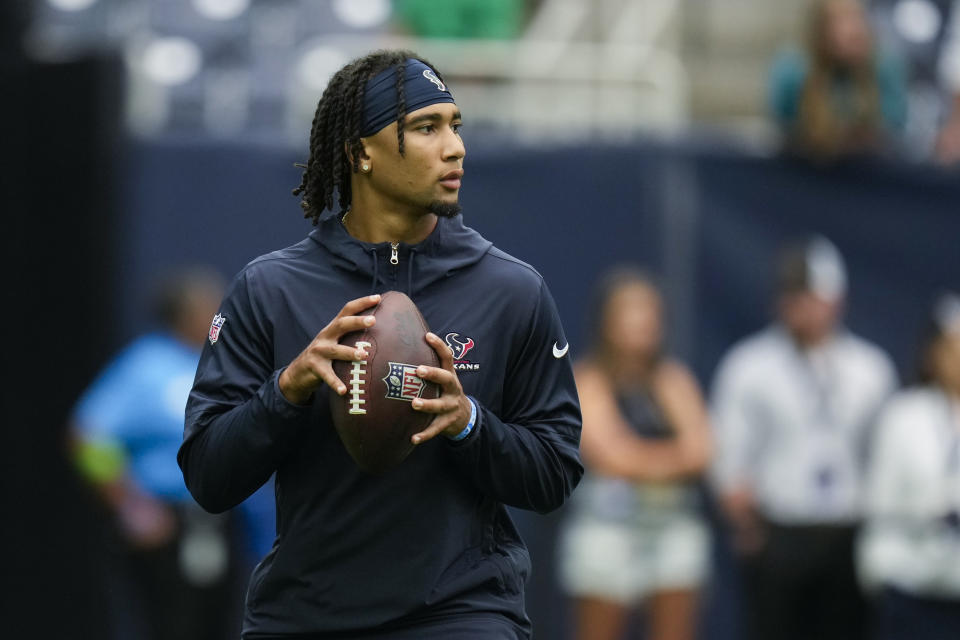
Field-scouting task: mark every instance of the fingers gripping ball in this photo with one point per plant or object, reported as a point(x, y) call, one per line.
point(374, 418)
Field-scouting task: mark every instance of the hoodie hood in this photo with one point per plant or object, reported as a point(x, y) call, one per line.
point(450, 247)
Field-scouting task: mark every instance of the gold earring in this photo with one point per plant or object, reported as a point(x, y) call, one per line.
point(365, 167)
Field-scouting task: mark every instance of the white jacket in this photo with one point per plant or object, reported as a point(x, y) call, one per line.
point(910, 540)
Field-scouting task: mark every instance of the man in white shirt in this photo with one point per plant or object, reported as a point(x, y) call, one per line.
point(791, 405)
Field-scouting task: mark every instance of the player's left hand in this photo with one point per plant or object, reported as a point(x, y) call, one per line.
point(452, 408)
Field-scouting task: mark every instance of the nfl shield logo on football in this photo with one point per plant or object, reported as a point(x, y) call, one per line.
point(215, 326)
point(402, 382)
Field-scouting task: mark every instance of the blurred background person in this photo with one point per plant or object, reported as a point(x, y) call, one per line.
point(925, 35)
point(948, 140)
point(842, 95)
point(909, 552)
point(127, 427)
point(791, 405)
point(634, 533)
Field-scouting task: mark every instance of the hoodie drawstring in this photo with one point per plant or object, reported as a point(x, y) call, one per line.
point(373, 283)
point(413, 252)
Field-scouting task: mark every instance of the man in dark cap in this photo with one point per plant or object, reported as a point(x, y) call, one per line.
point(791, 406)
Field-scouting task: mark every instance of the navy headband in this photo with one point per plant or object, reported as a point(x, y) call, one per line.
point(421, 86)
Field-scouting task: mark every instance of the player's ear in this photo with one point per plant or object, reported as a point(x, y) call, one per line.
point(365, 163)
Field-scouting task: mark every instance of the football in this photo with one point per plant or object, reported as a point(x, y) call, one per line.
point(375, 418)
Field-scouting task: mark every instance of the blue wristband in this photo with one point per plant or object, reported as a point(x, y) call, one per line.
point(467, 429)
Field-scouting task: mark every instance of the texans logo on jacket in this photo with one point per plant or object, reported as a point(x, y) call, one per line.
point(461, 347)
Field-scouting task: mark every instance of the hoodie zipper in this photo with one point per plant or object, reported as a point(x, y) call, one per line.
point(394, 258)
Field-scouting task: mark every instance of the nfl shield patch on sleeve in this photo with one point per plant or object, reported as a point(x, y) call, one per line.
point(215, 327)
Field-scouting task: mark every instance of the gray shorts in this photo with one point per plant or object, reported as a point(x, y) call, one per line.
point(627, 562)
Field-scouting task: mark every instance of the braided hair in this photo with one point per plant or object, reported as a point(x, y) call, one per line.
point(336, 129)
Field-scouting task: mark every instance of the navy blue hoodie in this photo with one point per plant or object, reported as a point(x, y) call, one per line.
point(431, 538)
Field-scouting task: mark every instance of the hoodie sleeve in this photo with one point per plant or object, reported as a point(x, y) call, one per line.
point(238, 423)
point(529, 457)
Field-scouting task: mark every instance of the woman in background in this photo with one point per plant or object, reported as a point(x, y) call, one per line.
point(910, 547)
point(841, 95)
point(634, 533)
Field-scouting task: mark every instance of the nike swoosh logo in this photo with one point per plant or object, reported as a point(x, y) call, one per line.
point(558, 352)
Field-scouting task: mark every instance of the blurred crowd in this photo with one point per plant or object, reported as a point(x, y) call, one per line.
point(839, 488)
point(862, 77)
point(856, 89)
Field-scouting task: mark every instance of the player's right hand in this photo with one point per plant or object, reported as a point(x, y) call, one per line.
point(314, 365)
